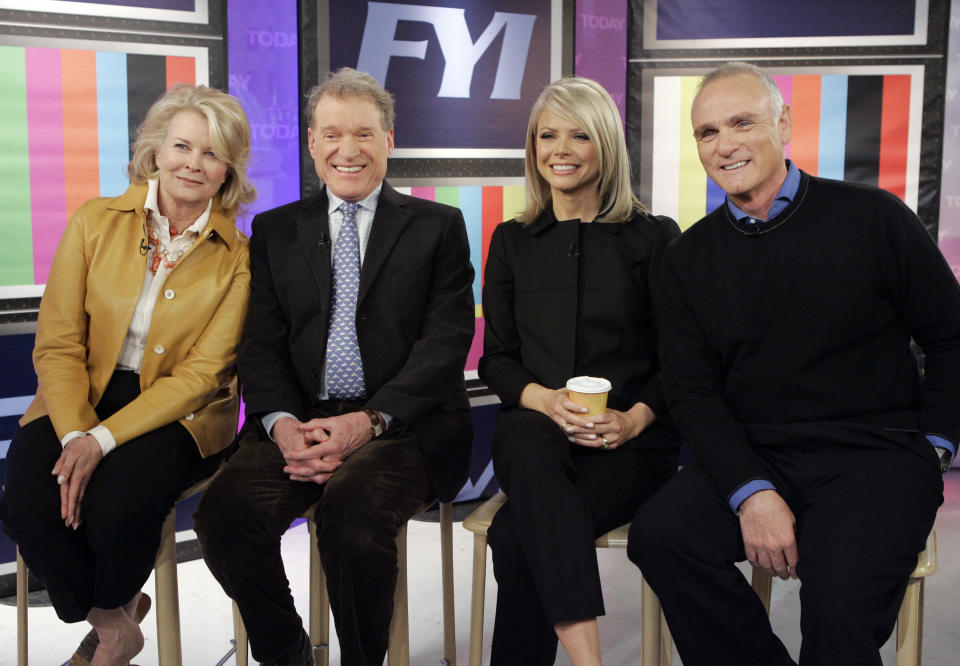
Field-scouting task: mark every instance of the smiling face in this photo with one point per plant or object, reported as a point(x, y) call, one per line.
point(740, 140)
point(566, 157)
point(190, 173)
point(349, 145)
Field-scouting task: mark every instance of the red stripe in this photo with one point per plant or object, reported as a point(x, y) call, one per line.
point(181, 70)
point(81, 150)
point(492, 203)
point(894, 130)
point(805, 143)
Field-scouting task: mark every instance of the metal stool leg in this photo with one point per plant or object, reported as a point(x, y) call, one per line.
point(398, 651)
point(446, 567)
point(168, 601)
point(23, 593)
point(319, 604)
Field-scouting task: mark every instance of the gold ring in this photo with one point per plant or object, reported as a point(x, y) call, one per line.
point(563, 425)
point(603, 441)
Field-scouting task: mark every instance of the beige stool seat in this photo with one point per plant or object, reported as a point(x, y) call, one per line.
point(910, 618)
point(167, 605)
point(398, 650)
point(657, 643)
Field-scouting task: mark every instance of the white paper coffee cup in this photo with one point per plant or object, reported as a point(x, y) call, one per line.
point(591, 392)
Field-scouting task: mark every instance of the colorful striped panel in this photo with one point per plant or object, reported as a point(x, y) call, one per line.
point(66, 122)
point(857, 127)
point(483, 207)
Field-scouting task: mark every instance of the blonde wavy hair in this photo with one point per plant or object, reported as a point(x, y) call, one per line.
point(229, 137)
point(587, 105)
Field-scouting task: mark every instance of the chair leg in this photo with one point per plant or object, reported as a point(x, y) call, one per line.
point(762, 581)
point(319, 604)
point(168, 602)
point(398, 650)
point(910, 625)
point(240, 637)
point(477, 598)
point(23, 592)
point(446, 567)
point(650, 613)
point(666, 642)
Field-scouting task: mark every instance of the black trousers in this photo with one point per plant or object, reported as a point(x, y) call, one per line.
point(863, 513)
point(562, 497)
point(251, 503)
point(106, 561)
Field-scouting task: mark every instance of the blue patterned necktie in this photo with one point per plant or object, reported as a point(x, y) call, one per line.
point(344, 365)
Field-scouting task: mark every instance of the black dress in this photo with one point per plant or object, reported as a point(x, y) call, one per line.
point(560, 299)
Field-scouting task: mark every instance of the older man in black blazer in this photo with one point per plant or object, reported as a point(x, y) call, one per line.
point(360, 319)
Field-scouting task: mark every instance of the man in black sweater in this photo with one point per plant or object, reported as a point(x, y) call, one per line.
point(786, 318)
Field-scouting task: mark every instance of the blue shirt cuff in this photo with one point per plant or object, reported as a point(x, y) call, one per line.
point(943, 443)
point(748, 489)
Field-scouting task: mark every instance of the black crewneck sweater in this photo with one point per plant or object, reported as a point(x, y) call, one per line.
point(803, 325)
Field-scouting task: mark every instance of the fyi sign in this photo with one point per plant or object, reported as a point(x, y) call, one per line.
point(464, 72)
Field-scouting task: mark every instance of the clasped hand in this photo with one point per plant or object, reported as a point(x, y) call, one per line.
point(73, 470)
point(314, 450)
point(607, 431)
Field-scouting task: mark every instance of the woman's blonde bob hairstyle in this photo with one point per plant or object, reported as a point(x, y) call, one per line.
point(229, 138)
point(587, 105)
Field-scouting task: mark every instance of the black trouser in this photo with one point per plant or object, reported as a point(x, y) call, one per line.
point(106, 561)
point(562, 497)
point(362, 506)
point(862, 516)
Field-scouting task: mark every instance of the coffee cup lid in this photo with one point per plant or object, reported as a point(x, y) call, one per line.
point(586, 384)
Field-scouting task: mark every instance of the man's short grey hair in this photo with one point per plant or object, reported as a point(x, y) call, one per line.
point(737, 68)
point(348, 82)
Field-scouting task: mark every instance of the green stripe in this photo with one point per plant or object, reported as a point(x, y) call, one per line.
point(449, 196)
point(16, 238)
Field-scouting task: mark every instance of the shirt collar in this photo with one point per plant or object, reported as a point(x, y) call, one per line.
point(786, 195)
point(151, 205)
point(369, 202)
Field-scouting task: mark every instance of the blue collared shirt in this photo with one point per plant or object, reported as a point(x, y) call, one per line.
point(784, 198)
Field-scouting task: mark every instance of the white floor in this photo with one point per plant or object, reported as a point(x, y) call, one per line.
point(207, 626)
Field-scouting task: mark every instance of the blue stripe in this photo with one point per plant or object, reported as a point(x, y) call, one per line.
point(4, 447)
point(470, 204)
point(112, 133)
point(15, 406)
point(833, 127)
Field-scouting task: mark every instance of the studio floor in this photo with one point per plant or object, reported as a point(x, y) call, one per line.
point(206, 623)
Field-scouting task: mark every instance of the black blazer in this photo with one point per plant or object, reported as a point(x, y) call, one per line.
point(415, 321)
point(530, 305)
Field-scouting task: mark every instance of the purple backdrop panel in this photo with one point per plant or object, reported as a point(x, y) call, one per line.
point(601, 46)
point(262, 53)
point(464, 76)
point(730, 19)
point(950, 179)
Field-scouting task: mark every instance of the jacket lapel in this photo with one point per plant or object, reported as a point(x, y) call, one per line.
point(388, 223)
point(313, 232)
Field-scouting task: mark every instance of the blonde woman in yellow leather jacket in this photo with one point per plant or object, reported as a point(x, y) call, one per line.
point(135, 359)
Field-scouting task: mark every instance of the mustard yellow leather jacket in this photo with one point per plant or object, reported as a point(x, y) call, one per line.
point(189, 363)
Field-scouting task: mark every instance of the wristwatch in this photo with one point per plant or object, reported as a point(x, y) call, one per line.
point(944, 456)
point(376, 425)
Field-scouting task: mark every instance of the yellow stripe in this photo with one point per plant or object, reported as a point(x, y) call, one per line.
point(513, 201)
point(693, 181)
point(478, 311)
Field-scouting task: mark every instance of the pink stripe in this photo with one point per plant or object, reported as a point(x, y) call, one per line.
point(48, 201)
point(785, 83)
point(476, 347)
point(428, 193)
